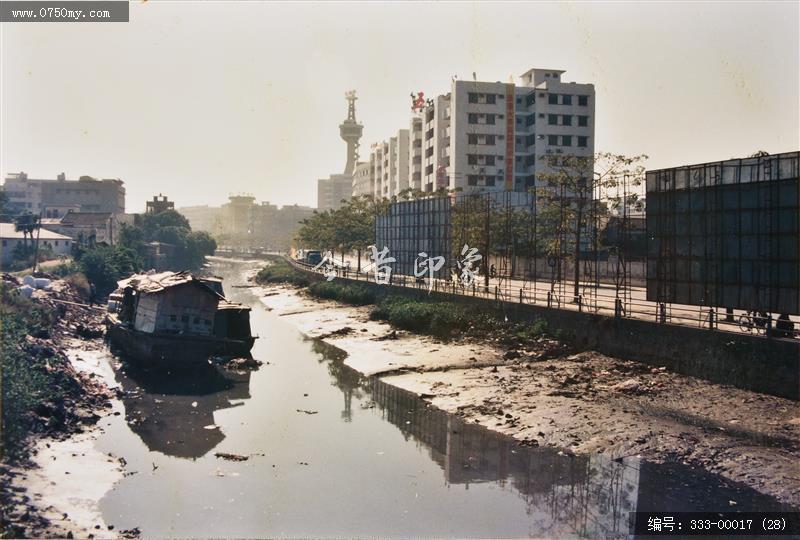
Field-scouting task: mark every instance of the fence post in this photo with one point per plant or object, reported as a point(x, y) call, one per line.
point(580, 302)
point(473, 288)
point(711, 318)
point(549, 299)
point(495, 292)
point(520, 296)
point(662, 312)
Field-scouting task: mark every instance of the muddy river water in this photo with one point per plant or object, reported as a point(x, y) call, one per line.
point(331, 453)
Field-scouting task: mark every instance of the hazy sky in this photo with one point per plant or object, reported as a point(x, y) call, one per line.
point(200, 100)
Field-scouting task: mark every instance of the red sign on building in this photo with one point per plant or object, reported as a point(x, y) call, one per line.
point(510, 103)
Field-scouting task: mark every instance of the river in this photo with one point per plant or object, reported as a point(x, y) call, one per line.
point(331, 453)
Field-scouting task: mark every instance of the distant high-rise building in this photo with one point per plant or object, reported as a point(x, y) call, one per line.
point(333, 190)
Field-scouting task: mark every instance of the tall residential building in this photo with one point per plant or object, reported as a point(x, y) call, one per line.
point(363, 181)
point(500, 131)
point(436, 144)
point(333, 190)
point(54, 198)
point(415, 152)
point(390, 165)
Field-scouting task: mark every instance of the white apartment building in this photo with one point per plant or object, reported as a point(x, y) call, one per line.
point(415, 152)
point(501, 131)
point(389, 165)
point(363, 181)
point(436, 144)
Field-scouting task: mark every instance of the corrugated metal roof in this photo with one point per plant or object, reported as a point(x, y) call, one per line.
point(157, 282)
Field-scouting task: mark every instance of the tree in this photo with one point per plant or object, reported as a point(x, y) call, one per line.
point(105, 265)
point(26, 223)
point(570, 198)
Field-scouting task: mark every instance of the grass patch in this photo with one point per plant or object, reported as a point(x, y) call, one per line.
point(280, 271)
point(355, 294)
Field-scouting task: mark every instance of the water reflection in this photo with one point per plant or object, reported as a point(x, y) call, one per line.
point(588, 496)
point(175, 415)
point(345, 379)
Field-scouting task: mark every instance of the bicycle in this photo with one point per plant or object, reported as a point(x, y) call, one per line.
point(754, 322)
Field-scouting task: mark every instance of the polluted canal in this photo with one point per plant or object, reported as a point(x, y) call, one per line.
point(331, 453)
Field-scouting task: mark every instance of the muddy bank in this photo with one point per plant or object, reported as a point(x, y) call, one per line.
point(52, 483)
point(582, 402)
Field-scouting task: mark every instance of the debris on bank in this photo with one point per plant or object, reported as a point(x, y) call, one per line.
point(43, 315)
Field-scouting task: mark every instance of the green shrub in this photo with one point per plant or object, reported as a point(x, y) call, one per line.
point(280, 271)
point(355, 294)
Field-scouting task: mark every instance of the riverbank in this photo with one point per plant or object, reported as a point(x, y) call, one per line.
point(56, 387)
point(582, 402)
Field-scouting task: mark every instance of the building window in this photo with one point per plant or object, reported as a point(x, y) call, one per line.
point(566, 120)
point(472, 138)
point(566, 140)
point(583, 121)
point(519, 101)
point(583, 101)
point(472, 179)
point(552, 99)
point(173, 318)
point(472, 118)
point(5, 243)
point(566, 99)
point(489, 139)
point(583, 142)
point(489, 180)
point(472, 159)
point(473, 97)
point(552, 119)
point(552, 140)
point(491, 99)
point(530, 99)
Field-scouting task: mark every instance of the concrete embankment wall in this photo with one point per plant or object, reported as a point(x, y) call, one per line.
point(771, 366)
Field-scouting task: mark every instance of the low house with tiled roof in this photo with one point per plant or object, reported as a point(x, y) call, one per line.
point(10, 237)
point(86, 228)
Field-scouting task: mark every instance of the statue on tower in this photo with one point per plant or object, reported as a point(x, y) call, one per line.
point(350, 131)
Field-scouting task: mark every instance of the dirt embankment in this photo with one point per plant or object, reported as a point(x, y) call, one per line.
point(54, 426)
point(543, 394)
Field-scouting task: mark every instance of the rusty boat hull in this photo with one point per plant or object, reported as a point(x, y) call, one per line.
point(170, 349)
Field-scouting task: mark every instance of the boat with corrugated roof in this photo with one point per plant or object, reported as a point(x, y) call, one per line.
point(170, 318)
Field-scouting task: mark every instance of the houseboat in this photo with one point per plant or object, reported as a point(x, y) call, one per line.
point(172, 318)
